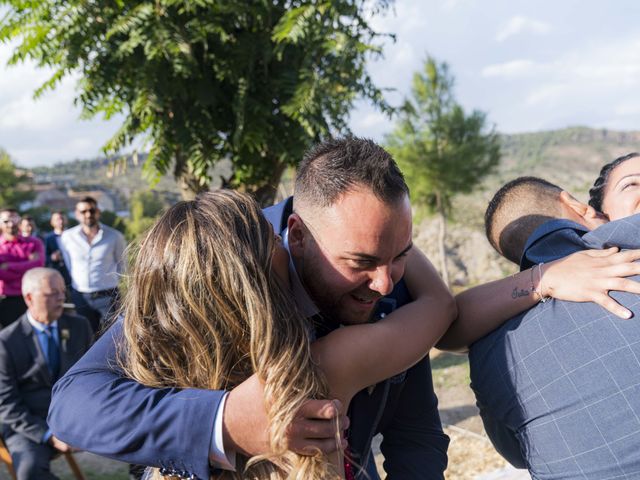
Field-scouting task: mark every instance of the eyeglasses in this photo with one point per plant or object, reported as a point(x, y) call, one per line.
point(11, 220)
point(88, 210)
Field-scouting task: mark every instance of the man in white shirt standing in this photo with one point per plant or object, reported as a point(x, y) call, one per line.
point(93, 253)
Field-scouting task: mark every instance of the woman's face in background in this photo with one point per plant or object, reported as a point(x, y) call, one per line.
point(622, 194)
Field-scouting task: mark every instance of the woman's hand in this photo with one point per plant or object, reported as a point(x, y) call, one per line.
point(589, 276)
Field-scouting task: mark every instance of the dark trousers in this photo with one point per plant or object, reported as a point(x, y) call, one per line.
point(97, 307)
point(10, 309)
point(31, 460)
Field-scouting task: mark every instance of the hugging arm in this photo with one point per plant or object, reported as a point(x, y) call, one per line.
point(585, 276)
point(373, 352)
point(98, 409)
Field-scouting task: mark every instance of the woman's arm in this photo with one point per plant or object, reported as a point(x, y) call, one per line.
point(585, 276)
point(356, 356)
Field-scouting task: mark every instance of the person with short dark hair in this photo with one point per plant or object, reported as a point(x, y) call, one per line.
point(34, 352)
point(94, 256)
point(558, 385)
point(17, 255)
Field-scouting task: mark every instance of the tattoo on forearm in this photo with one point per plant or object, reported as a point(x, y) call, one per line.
point(517, 293)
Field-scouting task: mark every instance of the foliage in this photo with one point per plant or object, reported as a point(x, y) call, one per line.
point(14, 186)
point(111, 219)
point(442, 150)
point(255, 82)
point(145, 208)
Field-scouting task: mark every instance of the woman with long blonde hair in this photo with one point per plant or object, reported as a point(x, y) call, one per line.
point(208, 306)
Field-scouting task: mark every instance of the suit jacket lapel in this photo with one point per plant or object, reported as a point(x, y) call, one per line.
point(33, 345)
point(66, 342)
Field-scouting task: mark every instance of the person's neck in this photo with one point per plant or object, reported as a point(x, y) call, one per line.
point(58, 231)
point(91, 231)
point(9, 237)
point(43, 322)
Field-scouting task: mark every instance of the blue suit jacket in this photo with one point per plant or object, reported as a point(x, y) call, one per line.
point(559, 386)
point(25, 380)
point(50, 246)
point(97, 409)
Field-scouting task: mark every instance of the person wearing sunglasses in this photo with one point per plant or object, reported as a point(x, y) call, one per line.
point(93, 254)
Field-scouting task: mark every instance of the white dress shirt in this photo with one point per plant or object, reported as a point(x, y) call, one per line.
point(97, 265)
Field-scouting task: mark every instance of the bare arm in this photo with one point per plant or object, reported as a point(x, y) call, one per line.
point(357, 356)
point(585, 276)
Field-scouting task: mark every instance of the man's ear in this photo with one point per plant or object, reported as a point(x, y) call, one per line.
point(585, 214)
point(27, 299)
point(297, 233)
point(573, 204)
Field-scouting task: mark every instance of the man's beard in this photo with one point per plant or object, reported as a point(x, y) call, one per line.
point(330, 308)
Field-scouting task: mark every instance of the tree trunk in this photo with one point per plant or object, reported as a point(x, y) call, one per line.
point(190, 186)
point(444, 271)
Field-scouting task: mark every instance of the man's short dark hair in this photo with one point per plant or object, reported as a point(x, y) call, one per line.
point(338, 165)
point(596, 193)
point(87, 199)
point(9, 209)
point(516, 210)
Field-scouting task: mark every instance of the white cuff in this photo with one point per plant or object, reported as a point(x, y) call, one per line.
point(218, 458)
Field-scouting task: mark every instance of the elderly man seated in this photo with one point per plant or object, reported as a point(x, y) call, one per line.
point(34, 352)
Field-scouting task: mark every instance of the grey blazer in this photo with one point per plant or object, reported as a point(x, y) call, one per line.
point(25, 381)
point(559, 386)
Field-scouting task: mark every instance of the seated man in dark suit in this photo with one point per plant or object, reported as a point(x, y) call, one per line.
point(34, 352)
point(558, 387)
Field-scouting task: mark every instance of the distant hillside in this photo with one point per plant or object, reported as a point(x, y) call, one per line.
point(123, 175)
point(570, 157)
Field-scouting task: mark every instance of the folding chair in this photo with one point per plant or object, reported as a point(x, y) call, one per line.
point(5, 457)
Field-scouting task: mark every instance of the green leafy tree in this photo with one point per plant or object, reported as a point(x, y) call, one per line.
point(145, 208)
point(442, 150)
point(14, 187)
point(254, 82)
point(111, 219)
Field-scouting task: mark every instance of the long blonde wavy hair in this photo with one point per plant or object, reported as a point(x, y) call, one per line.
point(204, 310)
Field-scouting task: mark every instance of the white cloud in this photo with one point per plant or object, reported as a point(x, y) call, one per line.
point(513, 68)
point(625, 109)
point(449, 5)
point(520, 24)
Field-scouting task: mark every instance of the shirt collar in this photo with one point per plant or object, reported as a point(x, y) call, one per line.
point(37, 326)
point(545, 229)
point(98, 235)
point(300, 294)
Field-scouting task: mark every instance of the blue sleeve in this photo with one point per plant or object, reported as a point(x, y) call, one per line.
point(414, 445)
point(96, 408)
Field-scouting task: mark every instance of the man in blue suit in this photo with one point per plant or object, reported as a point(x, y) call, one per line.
point(351, 204)
point(558, 387)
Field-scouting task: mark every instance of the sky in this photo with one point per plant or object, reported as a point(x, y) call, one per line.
point(530, 66)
